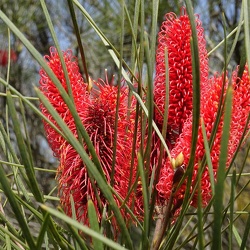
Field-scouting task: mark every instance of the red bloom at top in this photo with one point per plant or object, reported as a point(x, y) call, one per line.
point(209, 110)
point(51, 92)
point(174, 39)
point(97, 111)
point(4, 57)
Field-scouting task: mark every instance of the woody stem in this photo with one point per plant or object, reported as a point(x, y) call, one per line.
point(162, 223)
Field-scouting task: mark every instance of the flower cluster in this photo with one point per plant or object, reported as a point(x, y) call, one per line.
point(116, 146)
point(174, 39)
point(97, 111)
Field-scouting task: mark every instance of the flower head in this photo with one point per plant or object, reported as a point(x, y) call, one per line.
point(209, 110)
point(99, 122)
point(52, 93)
point(97, 109)
point(174, 39)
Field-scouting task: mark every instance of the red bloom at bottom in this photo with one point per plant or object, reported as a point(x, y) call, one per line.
point(209, 110)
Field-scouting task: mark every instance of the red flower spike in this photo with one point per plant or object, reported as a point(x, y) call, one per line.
point(174, 38)
point(97, 110)
point(99, 121)
point(209, 109)
point(51, 92)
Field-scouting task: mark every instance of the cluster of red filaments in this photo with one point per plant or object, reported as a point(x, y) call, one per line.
point(174, 39)
point(111, 125)
point(97, 110)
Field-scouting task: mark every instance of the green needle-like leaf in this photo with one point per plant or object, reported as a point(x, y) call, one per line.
point(246, 234)
point(94, 224)
point(221, 173)
point(5, 186)
point(83, 228)
point(22, 148)
point(232, 200)
point(208, 157)
point(145, 232)
point(40, 238)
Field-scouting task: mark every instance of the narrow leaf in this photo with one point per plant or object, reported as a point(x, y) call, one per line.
point(219, 187)
point(83, 228)
point(208, 156)
point(245, 237)
point(42, 232)
point(200, 237)
point(94, 224)
point(22, 148)
point(16, 208)
point(232, 200)
point(145, 232)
